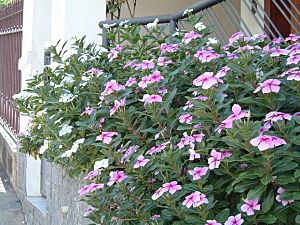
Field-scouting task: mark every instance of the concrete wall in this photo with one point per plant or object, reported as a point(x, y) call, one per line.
point(62, 205)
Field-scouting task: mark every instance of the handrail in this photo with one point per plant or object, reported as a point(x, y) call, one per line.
point(167, 18)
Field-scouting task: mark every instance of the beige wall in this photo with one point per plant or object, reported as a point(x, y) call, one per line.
point(250, 20)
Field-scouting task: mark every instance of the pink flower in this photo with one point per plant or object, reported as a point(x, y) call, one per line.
point(106, 136)
point(168, 48)
point(265, 142)
point(236, 36)
point(295, 75)
point(201, 98)
point(161, 61)
point(206, 80)
point(198, 137)
point(225, 153)
point(264, 128)
point(188, 105)
point(87, 111)
point(292, 37)
point(156, 149)
point(222, 73)
point(212, 222)
point(117, 105)
point(95, 71)
point(116, 176)
point(271, 85)
point(155, 77)
point(163, 91)
point(277, 116)
point(92, 174)
point(146, 64)
point(186, 118)
point(195, 199)
point(250, 206)
point(141, 162)
point(234, 220)
point(278, 199)
point(88, 211)
point(171, 187)
point(148, 99)
point(277, 40)
point(90, 188)
point(227, 125)
point(198, 172)
point(215, 159)
point(193, 155)
point(290, 71)
point(277, 51)
point(112, 86)
point(128, 152)
point(188, 37)
point(113, 54)
point(144, 82)
point(160, 191)
point(207, 55)
point(131, 81)
point(155, 217)
point(237, 114)
point(293, 59)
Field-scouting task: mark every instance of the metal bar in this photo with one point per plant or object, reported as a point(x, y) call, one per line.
point(230, 16)
point(239, 16)
point(262, 19)
point(218, 21)
point(217, 32)
point(10, 32)
point(294, 6)
point(258, 23)
point(197, 7)
point(173, 26)
point(290, 12)
point(285, 16)
point(269, 19)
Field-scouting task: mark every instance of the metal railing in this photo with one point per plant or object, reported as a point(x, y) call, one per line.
point(11, 18)
point(225, 17)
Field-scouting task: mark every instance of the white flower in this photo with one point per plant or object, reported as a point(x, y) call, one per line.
point(55, 65)
point(123, 23)
point(101, 164)
point(74, 148)
point(39, 126)
point(152, 25)
point(212, 41)
point(44, 147)
point(107, 26)
point(187, 11)
point(66, 98)
point(23, 95)
point(200, 26)
point(58, 121)
point(68, 79)
point(41, 113)
point(65, 129)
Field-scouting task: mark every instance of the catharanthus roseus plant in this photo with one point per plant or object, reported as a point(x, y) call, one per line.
point(180, 132)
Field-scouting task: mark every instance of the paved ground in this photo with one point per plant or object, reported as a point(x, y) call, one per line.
point(10, 208)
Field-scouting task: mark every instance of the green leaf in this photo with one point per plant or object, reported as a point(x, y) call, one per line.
point(268, 202)
point(266, 179)
point(297, 219)
point(285, 179)
point(268, 219)
point(244, 186)
point(296, 140)
point(223, 215)
point(256, 192)
point(290, 195)
point(283, 168)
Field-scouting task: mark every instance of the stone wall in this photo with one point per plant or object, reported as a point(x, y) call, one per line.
point(60, 206)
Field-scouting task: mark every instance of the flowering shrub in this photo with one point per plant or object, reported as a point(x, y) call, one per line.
point(190, 132)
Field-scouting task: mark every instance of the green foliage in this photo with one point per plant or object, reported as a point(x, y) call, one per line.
point(58, 97)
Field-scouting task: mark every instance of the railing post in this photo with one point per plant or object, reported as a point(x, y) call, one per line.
point(104, 37)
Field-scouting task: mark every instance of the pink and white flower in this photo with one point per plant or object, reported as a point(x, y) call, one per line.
point(160, 191)
point(131, 81)
point(234, 220)
point(141, 162)
point(117, 105)
point(270, 85)
point(278, 199)
point(116, 176)
point(186, 118)
point(195, 199)
point(87, 111)
point(90, 188)
point(212, 222)
point(206, 80)
point(106, 136)
point(171, 187)
point(215, 159)
point(265, 142)
point(188, 37)
point(277, 116)
point(148, 99)
point(112, 86)
point(198, 172)
point(250, 206)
